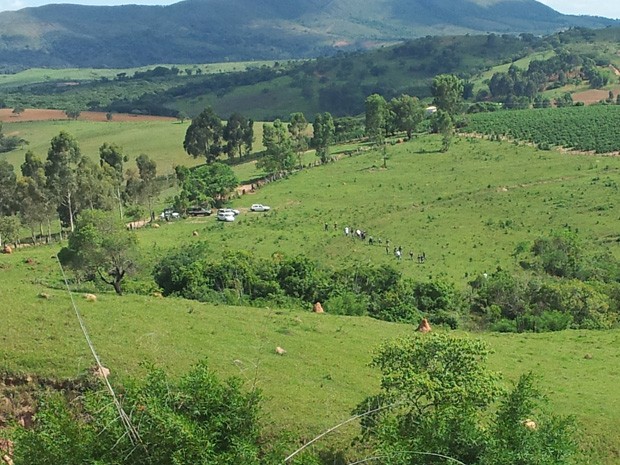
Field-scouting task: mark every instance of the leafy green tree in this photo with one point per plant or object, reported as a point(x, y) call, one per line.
point(439, 401)
point(297, 128)
point(204, 135)
point(408, 113)
point(73, 113)
point(323, 134)
point(147, 170)
point(236, 135)
point(442, 123)
point(279, 155)
point(447, 90)
point(95, 188)
point(61, 172)
point(111, 159)
point(9, 229)
point(209, 183)
point(36, 206)
point(101, 246)
point(197, 419)
point(376, 118)
point(8, 183)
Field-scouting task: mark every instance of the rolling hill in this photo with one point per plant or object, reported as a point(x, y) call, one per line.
point(193, 31)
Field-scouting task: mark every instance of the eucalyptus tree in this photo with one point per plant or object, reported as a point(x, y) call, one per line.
point(203, 137)
point(63, 157)
point(324, 132)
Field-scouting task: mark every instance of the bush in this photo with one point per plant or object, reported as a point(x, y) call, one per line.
point(347, 303)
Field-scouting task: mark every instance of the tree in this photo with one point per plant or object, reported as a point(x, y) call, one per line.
point(18, 110)
point(73, 113)
point(147, 170)
point(236, 135)
point(438, 399)
point(376, 118)
point(408, 113)
point(442, 124)
point(447, 90)
point(8, 182)
point(297, 128)
point(111, 159)
point(101, 246)
point(9, 229)
point(192, 419)
point(324, 132)
point(60, 172)
point(208, 183)
point(278, 155)
point(203, 136)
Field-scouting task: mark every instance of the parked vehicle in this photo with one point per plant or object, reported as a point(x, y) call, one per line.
point(259, 207)
point(225, 215)
point(169, 214)
point(198, 211)
point(229, 210)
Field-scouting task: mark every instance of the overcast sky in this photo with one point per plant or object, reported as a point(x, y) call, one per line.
point(607, 8)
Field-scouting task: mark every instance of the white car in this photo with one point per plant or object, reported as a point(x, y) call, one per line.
point(225, 215)
point(259, 207)
point(229, 210)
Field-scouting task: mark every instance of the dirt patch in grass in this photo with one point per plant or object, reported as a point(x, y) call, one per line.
point(589, 97)
point(34, 114)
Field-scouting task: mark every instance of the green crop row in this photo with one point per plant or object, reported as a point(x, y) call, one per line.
point(593, 128)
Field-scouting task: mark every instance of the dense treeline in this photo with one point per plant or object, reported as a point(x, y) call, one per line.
point(562, 285)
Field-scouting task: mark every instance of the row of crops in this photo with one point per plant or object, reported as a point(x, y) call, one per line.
point(594, 128)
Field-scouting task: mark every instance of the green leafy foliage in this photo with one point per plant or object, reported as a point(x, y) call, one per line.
point(195, 420)
point(438, 399)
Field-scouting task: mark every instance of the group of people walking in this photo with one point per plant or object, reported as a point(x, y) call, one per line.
point(361, 234)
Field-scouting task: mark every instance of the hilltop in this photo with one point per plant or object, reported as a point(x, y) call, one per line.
point(200, 31)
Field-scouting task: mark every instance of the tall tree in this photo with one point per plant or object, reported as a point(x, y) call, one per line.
point(147, 170)
point(36, 207)
point(324, 132)
point(101, 246)
point(408, 113)
point(442, 124)
point(236, 135)
point(111, 159)
point(203, 136)
point(278, 155)
point(297, 129)
point(8, 182)
point(447, 90)
point(376, 118)
point(60, 172)
point(208, 183)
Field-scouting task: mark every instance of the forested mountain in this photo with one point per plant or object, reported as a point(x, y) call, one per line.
point(194, 31)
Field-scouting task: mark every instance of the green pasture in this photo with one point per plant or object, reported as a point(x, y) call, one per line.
point(40, 75)
point(467, 209)
point(161, 140)
point(324, 373)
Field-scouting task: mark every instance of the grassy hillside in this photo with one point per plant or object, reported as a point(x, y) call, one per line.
point(314, 386)
point(467, 209)
point(340, 84)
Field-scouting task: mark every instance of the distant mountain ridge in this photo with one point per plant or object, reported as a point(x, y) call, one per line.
point(193, 31)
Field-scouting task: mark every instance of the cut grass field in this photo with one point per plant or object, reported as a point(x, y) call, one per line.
point(467, 209)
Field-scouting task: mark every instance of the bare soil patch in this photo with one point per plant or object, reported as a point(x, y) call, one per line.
point(592, 96)
point(35, 114)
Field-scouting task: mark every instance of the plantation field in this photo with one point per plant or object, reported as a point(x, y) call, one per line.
point(315, 385)
point(592, 128)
